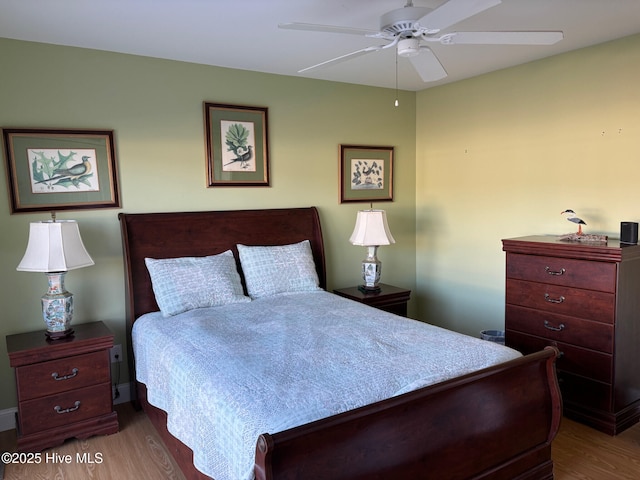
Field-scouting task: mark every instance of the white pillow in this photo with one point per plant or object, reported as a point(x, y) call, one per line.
point(278, 269)
point(185, 283)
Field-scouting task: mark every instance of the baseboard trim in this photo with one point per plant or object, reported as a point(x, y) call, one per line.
point(8, 419)
point(8, 416)
point(124, 390)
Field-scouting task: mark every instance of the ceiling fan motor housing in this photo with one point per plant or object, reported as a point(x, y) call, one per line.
point(401, 21)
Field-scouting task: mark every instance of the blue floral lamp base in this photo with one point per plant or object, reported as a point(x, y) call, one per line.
point(371, 270)
point(57, 307)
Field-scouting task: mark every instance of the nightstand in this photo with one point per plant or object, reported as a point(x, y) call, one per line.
point(389, 298)
point(64, 386)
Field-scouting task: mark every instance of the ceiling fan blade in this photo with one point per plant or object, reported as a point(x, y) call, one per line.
point(502, 38)
point(342, 58)
point(454, 11)
point(427, 65)
point(313, 27)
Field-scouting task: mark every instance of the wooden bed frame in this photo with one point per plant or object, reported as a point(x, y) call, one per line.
point(496, 423)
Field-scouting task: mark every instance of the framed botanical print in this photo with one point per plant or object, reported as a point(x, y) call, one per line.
point(366, 173)
point(236, 145)
point(51, 169)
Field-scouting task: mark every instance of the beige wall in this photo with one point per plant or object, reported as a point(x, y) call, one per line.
point(501, 155)
point(155, 109)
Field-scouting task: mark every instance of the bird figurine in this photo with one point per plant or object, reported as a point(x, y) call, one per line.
point(571, 216)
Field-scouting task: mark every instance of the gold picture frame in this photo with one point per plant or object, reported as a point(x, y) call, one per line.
point(237, 145)
point(60, 169)
point(366, 173)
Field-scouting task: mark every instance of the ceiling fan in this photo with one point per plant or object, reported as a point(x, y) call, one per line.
point(409, 28)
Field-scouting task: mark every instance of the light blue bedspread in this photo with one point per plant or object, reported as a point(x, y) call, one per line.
point(226, 374)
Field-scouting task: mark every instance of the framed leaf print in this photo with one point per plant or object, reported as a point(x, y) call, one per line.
point(237, 145)
point(51, 170)
point(366, 173)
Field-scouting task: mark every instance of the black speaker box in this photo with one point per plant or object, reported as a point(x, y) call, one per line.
point(628, 233)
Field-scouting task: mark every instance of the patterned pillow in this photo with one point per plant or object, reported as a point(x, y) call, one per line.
point(182, 284)
point(279, 269)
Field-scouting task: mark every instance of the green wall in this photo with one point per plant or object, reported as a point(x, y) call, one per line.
point(496, 156)
point(155, 109)
point(501, 155)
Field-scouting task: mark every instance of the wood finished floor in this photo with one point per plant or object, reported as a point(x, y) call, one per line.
point(582, 453)
point(136, 453)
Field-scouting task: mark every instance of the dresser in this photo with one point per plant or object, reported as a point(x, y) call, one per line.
point(585, 300)
point(64, 386)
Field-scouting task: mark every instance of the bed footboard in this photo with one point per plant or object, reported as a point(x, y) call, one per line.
point(497, 423)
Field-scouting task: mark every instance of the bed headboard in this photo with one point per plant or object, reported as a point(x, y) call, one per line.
point(194, 234)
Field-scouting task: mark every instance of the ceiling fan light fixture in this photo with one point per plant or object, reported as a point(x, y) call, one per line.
point(409, 47)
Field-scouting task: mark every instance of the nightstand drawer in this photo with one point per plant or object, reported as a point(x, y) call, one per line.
point(585, 333)
point(599, 276)
point(389, 298)
point(62, 375)
point(599, 306)
point(65, 408)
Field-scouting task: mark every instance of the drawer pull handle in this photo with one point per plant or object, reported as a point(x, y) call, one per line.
point(73, 373)
point(554, 272)
point(548, 298)
point(548, 326)
point(59, 409)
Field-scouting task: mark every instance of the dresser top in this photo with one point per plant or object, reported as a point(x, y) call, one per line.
point(551, 245)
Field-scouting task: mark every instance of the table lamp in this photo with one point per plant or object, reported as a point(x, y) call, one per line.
point(55, 247)
point(371, 231)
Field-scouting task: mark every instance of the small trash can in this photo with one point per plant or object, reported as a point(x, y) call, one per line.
point(496, 336)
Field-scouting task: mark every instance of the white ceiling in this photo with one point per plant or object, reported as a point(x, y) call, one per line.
point(244, 34)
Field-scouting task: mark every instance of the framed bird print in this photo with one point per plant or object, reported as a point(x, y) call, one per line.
point(237, 145)
point(60, 169)
point(366, 174)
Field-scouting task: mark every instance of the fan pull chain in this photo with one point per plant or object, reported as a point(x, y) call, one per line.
point(396, 102)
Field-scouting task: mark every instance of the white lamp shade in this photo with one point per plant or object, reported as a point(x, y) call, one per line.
point(371, 229)
point(54, 247)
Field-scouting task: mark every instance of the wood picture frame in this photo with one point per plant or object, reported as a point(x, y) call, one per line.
point(366, 173)
point(60, 169)
point(237, 145)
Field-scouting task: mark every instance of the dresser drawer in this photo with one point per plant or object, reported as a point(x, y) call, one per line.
point(41, 413)
point(584, 392)
point(572, 359)
point(599, 276)
point(561, 328)
point(576, 302)
point(55, 376)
